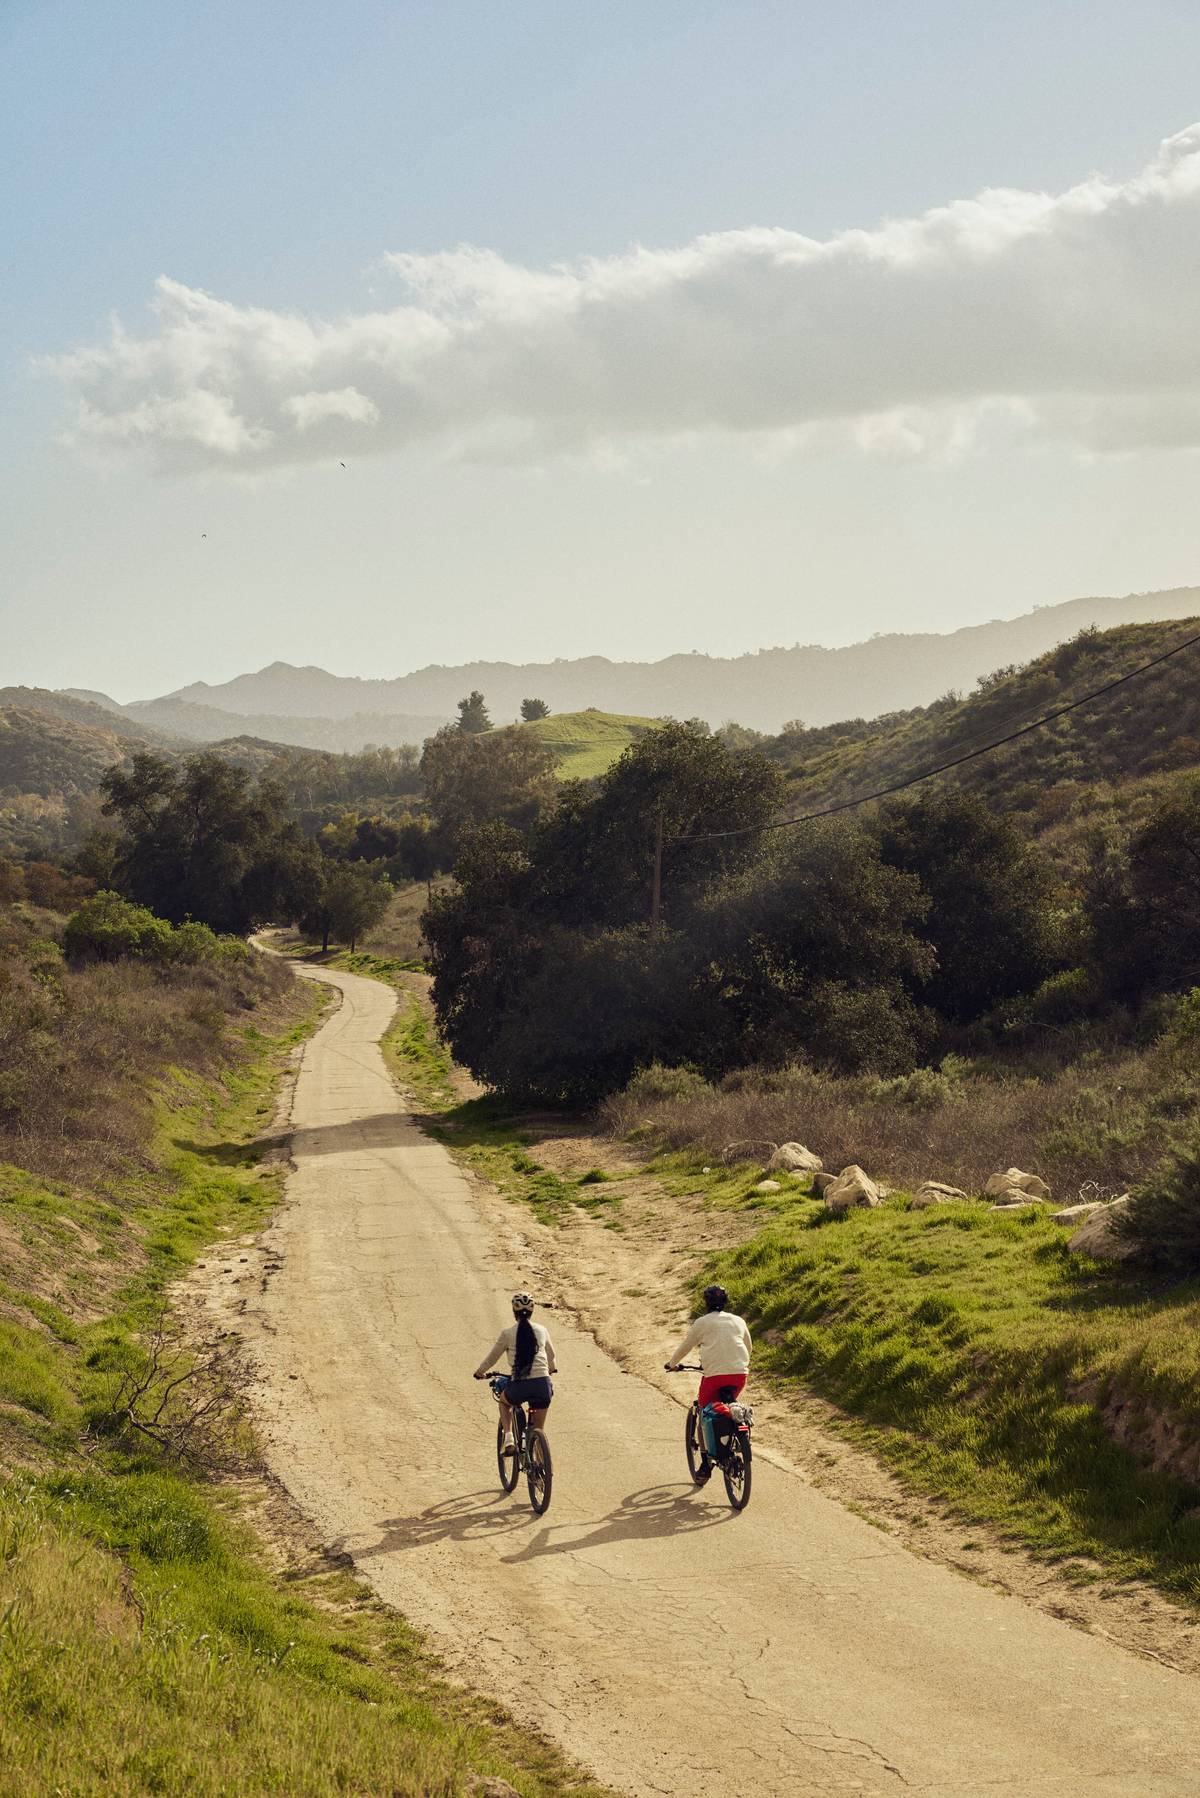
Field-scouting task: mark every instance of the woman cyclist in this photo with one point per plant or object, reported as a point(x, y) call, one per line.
point(531, 1362)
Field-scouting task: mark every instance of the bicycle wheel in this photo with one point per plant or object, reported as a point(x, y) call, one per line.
point(509, 1465)
point(539, 1473)
point(697, 1460)
point(736, 1469)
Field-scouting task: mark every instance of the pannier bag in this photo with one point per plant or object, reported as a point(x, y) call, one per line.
point(719, 1421)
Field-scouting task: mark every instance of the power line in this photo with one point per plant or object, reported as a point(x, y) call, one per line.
point(970, 755)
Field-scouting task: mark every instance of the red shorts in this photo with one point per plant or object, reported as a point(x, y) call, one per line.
point(712, 1383)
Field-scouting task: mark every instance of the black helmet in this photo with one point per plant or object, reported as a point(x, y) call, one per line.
point(715, 1298)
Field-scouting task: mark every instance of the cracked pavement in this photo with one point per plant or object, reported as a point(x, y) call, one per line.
point(662, 1640)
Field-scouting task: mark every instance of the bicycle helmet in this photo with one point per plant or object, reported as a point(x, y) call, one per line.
point(521, 1302)
point(715, 1298)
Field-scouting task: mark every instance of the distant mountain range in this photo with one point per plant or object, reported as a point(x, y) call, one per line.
point(766, 689)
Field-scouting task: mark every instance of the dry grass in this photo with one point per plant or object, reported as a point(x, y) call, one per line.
point(1096, 1125)
point(79, 1048)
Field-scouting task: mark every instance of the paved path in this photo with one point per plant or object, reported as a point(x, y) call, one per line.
point(664, 1641)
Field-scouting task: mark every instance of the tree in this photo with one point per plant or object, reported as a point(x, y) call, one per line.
point(350, 901)
point(504, 776)
point(534, 708)
point(202, 841)
point(990, 921)
point(597, 847)
point(473, 715)
point(1143, 899)
point(814, 949)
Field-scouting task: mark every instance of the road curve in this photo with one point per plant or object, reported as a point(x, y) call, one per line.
point(663, 1641)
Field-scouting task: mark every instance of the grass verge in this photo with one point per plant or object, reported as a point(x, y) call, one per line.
point(980, 1359)
point(145, 1644)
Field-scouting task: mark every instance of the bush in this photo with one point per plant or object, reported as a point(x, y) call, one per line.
point(1163, 1220)
point(108, 928)
point(193, 944)
point(925, 1089)
point(657, 1082)
point(1063, 998)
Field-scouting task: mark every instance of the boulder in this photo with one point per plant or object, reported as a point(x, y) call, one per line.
point(1075, 1214)
point(768, 1186)
point(822, 1182)
point(935, 1192)
point(1096, 1236)
point(1016, 1205)
point(794, 1158)
point(1014, 1185)
point(851, 1188)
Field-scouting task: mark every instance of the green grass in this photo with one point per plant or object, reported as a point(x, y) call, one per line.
point(973, 1350)
point(489, 1138)
point(144, 1644)
point(585, 744)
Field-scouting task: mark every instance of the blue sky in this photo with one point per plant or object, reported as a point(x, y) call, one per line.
point(272, 155)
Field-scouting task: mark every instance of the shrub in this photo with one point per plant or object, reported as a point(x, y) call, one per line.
point(1163, 1221)
point(193, 944)
point(1063, 998)
point(108, 928)
point(925, 1089)
point(657, 1082)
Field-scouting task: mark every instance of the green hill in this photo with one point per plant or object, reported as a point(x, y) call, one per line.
point(585, 743)
point(1112, 754)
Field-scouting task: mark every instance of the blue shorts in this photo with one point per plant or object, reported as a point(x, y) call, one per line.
point(534, 1393)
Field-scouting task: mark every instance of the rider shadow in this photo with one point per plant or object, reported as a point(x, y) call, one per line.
point(652, 1512)
point(472, 1517)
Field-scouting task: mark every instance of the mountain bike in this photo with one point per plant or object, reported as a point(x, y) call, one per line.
point(532, 1457)
point(732, 1444)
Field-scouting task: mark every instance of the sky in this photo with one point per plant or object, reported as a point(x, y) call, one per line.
point(386, 334)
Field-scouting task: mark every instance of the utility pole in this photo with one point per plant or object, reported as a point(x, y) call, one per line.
point(656, 891)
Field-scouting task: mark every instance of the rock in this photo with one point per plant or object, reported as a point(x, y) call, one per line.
point(1016, 1185)
point(1016, 1205)
point(850, 1189)
point(794, 1158)
point(486, 1785)
point(1096, 1236)
point(1075, 1214)
point(768, 1186)
point(935, 1192)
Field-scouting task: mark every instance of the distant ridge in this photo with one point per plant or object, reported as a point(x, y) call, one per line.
point(764, 689)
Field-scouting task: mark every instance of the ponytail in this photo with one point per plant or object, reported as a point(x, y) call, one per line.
point(525, 1348)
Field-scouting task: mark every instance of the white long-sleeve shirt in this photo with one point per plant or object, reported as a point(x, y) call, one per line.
point(543, 1363)
point(722, 1341)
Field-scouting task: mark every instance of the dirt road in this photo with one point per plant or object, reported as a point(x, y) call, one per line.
point(664, 1641)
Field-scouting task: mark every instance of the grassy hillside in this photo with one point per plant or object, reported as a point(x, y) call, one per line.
point(585, 743)
point(1114, 753)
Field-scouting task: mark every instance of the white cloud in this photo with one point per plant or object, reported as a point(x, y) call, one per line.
point(1072, 315)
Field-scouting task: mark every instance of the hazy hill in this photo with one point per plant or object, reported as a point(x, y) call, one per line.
point(211, 724)
point(764, 689)
point(585, 743)
point(1108, 754)
point(96, 712)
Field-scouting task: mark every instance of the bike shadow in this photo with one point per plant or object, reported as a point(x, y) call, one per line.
point(471, 1517)
point(649, 1513)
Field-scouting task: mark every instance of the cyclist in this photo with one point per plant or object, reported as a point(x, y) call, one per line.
point(722, 1341)
point(531, 1361)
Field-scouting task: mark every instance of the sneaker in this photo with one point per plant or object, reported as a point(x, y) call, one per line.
point(704, 1475)
point(509, 1449)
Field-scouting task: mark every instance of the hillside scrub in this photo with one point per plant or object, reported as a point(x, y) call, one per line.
point(1093, 1115)
point(80, 1045)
